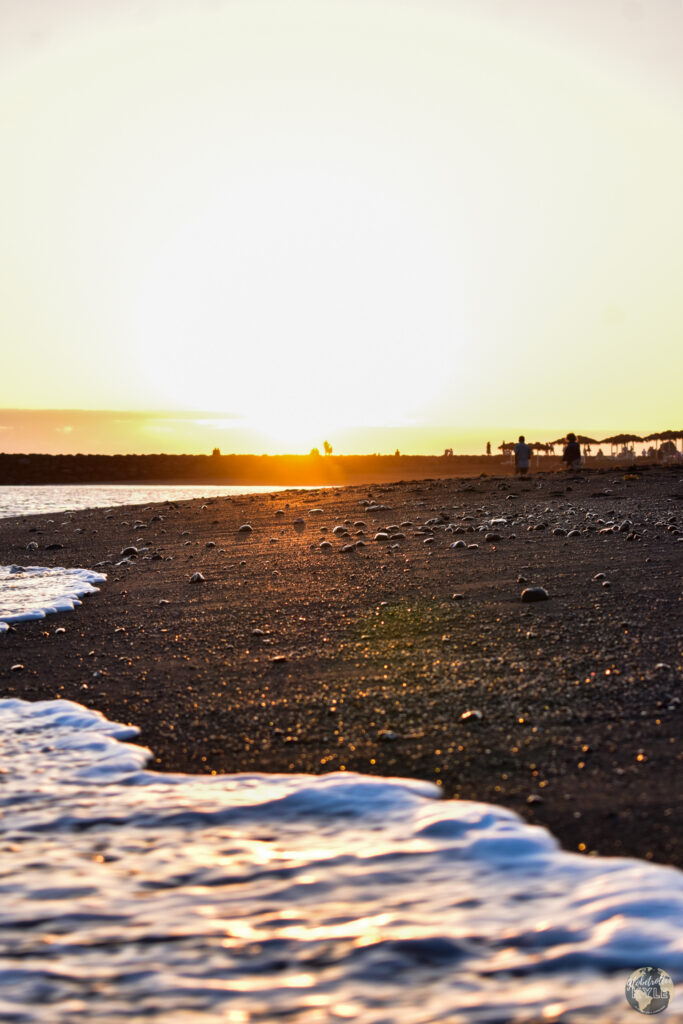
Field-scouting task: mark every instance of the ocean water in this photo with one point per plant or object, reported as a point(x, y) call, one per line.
point(128, 895)
point(32, 500)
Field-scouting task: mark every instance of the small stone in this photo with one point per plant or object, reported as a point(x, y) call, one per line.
point(522, 579)
point(210, 544)
point(574, 533)
point(458, 544)
point(164, 601)
point(534, 798)
point(534, 594)
point(559, 532)
point(606, 584)
point(129, 552)
point(245, 528)
point(325, 545)
point(278, 659)
point(598, 576)
point(60, 629)
point(458, 597)
point(197, 577)
point(386, 735)
point(491, 538)
point(472, 715)
point(31, 546)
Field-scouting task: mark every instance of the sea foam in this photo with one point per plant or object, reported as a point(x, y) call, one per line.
point(32, 592)
point(134, 895)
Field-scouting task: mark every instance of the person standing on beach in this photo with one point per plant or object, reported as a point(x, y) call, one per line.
point(572, 453)
point(522, 456)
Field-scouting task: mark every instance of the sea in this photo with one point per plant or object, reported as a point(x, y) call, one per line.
point(128, 895)
point(20, 500)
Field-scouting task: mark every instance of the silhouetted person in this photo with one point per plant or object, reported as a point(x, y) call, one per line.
point(488, 447)
point(572, 452)
point(522, 456)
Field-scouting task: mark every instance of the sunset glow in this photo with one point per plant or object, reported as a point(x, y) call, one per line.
point(393, 225)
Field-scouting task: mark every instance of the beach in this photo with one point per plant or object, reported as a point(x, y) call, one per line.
point(404, 656)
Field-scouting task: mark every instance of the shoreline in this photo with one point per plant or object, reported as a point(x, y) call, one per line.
point(366, 661)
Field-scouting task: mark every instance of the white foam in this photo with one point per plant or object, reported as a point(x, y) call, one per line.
point(32, 592)
point(174, 898)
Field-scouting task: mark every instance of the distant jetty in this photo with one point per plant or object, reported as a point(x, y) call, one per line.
point(292, 470)
point(312, 470)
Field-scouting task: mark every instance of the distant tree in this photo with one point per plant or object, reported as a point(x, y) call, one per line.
point(328, 447)
point(397, 453)
point(216, 452)
point(315, 452)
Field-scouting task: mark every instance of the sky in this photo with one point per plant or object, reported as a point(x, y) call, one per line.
point(259, 224)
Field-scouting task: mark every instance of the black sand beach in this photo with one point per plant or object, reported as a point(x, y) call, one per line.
point(403, 657)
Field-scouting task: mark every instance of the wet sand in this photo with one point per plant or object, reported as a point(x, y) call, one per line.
point(405, 657)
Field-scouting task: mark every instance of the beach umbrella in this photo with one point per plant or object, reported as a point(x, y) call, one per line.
point(581, 438)
point(620, 439)
point(665, 435)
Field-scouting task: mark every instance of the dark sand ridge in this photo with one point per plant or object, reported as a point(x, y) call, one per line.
point(367, 660)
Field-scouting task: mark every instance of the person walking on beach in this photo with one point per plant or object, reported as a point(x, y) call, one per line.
point(522, 456)
point(572, 453)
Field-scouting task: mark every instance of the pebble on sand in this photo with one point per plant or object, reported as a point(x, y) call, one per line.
point(472, 715)
point(534, 594)
point(197, 577)
point(245, 528)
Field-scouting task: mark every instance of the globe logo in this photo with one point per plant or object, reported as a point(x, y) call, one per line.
point(649, 990)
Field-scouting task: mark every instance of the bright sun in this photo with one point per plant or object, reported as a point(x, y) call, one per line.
point(279, 306)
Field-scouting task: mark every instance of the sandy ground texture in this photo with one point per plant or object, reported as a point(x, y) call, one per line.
point(341, 630)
